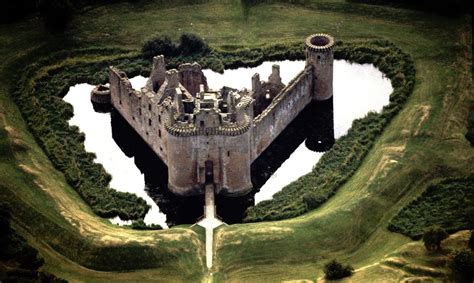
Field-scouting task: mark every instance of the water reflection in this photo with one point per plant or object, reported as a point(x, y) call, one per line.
point(126, 177)
point(135, 168)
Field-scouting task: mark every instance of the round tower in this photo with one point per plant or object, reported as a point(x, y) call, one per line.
point(319, 54)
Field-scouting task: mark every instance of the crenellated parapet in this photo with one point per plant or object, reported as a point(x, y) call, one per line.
point(191, 130)
point(320, 55)
point(284, 94)
point(205, 135)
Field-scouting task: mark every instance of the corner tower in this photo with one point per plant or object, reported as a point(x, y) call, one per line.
point(320, 55)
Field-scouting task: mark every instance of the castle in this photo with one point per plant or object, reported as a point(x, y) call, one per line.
point(208, 136)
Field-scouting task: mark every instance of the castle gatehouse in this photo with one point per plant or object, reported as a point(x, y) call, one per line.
point(213, 136)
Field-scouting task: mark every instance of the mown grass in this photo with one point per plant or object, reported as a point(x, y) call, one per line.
point(47, 116)
point(39, 95)
point(350, 226)
point(338, 164)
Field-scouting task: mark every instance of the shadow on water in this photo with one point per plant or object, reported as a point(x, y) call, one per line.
point(314, 126)
point(179, 210)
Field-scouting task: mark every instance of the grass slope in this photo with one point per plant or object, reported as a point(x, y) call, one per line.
point(424, 142)
point(449, 204)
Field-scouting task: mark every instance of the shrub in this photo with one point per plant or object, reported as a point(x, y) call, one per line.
point(462, 266)
point(312, 200)
point(141, 225)
point(159, 45)
point(433, 236)
point(429, 209)
point(349, 150)
point(47, 114)
point(21, 256)
point(335, 270)
point(192, 44)
point(40, 108)
point(189, 44)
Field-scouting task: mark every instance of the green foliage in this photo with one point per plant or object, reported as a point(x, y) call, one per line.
point(159, 45)
point(15, 249)
point(56, 13)
point(448, 203)
point(192, 44)
point(462, 266)
point(313, 200)
point(189, 44)
point(141, 225)
point(334, 270)
point(334, 168)
point(433, 237)
point(47, 115)
point(338, 164)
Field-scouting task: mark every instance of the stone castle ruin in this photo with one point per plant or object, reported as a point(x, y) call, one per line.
point(209, 136)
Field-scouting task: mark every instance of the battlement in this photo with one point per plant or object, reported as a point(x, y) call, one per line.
point(213, 136)
point(319, 42)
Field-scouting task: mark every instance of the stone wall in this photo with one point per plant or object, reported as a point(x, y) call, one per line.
point(223, 142)
point(140, 111)
point(185, 150)
point(283, 109)
point(230, 155)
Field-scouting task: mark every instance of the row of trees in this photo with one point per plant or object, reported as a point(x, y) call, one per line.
point(163, 45)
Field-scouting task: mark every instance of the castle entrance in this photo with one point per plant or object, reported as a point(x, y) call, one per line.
point(209, 170)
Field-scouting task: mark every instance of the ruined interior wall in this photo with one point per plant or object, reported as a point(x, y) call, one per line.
point(140, 112)
point(283, 109)
point(191, 77)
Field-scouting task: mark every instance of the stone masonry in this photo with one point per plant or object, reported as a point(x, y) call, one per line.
point(207, 136)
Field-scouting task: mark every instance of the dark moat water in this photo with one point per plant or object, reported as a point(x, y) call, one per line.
point(134, 167)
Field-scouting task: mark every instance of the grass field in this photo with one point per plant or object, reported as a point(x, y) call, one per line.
point(425, 142)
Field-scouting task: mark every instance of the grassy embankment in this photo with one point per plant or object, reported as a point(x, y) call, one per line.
point(425, 141)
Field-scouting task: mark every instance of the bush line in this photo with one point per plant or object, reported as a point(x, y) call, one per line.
point(47, 115)
point(453, 195)
point(338, 164)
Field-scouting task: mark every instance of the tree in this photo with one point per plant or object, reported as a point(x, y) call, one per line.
point(192, 44)
point(433, 236)
point(462, 266)
point(335, 270)
point(158, 45)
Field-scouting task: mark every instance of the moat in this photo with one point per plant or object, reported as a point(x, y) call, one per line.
point(358, 89)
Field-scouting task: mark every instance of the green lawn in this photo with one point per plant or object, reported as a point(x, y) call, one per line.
point(424, 142)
